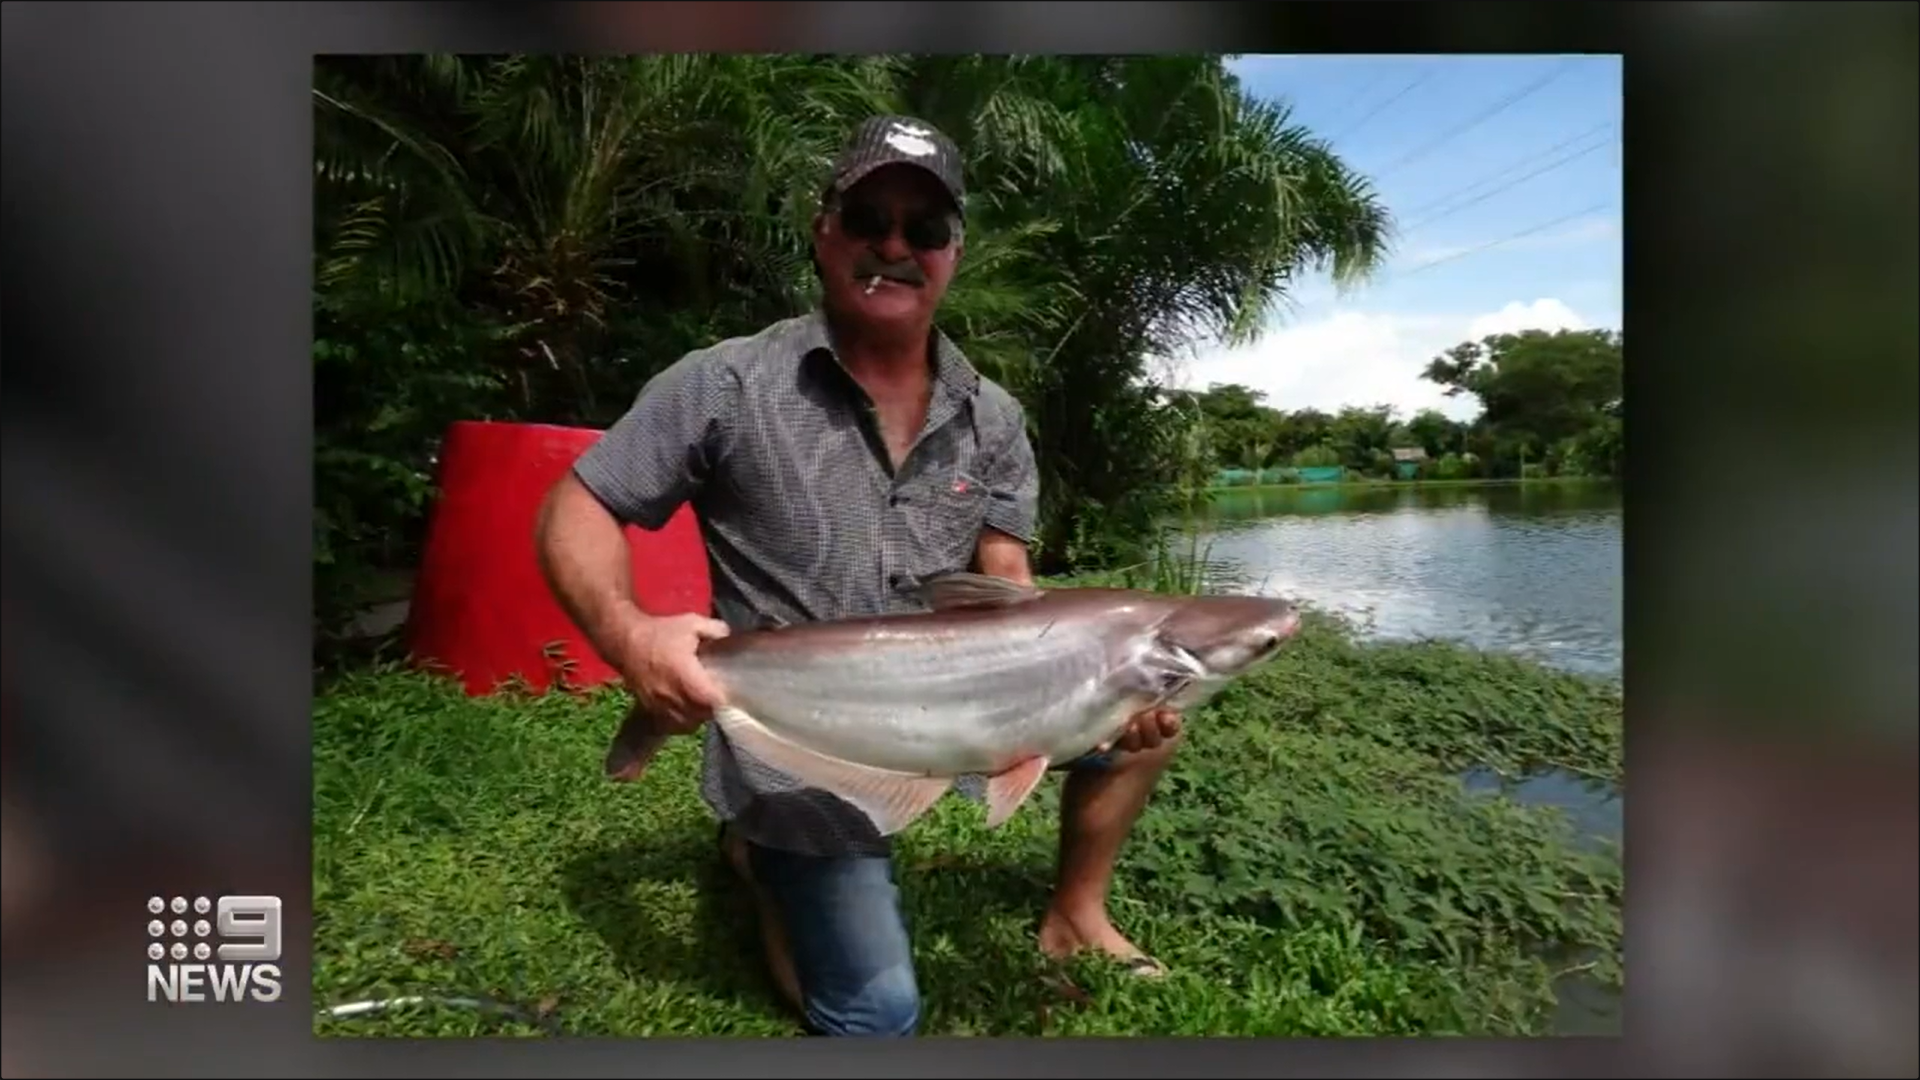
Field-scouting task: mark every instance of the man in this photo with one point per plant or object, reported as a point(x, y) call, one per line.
point(836, 460)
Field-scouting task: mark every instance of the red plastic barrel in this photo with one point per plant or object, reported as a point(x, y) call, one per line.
point(481, 610)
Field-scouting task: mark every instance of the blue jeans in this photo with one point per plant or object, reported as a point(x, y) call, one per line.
point(847, 933)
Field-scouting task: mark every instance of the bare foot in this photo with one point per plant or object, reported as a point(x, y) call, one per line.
point(1063, 934)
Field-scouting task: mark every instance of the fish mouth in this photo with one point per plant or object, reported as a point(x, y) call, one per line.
point(1281, 634)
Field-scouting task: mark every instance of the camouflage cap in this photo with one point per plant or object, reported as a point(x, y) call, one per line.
point(890, 140)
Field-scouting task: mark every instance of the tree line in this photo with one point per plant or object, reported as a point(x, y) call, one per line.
point(1549, 405)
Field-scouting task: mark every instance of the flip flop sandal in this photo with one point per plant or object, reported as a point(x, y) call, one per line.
point(1144, 967)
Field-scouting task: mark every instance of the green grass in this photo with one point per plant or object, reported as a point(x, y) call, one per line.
point(1310, 866)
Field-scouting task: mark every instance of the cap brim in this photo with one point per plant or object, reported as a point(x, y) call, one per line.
point(865, 169)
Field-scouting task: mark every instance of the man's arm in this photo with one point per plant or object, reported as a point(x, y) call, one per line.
point(647, 465)
point(1003, 556)
point(584, 556)
point(651, 461)
point(1013, 496)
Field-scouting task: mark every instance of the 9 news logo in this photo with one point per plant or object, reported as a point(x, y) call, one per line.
point(186, 965)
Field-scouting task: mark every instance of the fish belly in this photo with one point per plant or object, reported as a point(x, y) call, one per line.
point(942, 707)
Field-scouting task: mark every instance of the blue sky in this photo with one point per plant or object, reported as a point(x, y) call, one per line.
point(1503, 176)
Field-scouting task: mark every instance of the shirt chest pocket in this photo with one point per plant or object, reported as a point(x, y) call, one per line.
point(942, 515)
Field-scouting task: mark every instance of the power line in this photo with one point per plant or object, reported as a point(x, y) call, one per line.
point(1490, 245)
point(1475, 121)
point(1380, 108)
point(1343, 110)
point(1475, 201)
point(1503, 241)
point(1505, 170)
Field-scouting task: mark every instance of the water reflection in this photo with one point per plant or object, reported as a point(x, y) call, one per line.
point(1532, 569)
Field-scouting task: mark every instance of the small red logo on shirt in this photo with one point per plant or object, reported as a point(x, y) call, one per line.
point(959, 487)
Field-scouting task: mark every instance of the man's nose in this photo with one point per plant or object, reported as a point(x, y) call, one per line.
point(893, 247)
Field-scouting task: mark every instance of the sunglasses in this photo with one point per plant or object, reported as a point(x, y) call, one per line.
point(927, 230)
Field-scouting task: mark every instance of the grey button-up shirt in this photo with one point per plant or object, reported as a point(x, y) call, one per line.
point(777, 449)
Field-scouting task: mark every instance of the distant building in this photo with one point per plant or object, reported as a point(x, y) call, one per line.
point(1407, 461)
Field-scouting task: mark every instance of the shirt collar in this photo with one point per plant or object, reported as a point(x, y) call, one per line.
point(953, 374)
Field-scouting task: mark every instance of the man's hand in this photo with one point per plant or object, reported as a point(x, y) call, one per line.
point(658, 658)
point(1148, 730)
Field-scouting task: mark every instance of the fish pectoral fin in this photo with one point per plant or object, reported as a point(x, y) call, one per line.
point(891, 800)
point(1009, 789)
point(1157, 678)
point(965, 589)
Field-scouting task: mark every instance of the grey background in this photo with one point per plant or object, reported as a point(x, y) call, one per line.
point(157, 474)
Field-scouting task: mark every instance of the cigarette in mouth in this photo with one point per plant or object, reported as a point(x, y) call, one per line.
point(872, 284)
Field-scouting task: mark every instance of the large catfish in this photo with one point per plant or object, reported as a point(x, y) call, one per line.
point(996, 679)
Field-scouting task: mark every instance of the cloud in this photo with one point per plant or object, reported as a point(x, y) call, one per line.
point(1355, 357)
point(1543, 314)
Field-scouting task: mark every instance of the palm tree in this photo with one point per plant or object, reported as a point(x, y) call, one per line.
point(559, 195)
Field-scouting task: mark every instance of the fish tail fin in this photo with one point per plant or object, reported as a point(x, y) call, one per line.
point(634, 746)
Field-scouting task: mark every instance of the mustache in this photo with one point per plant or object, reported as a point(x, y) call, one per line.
point(906, 271)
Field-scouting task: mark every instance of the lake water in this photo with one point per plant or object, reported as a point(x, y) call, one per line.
point(1532, 569)
point(1529, 569)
